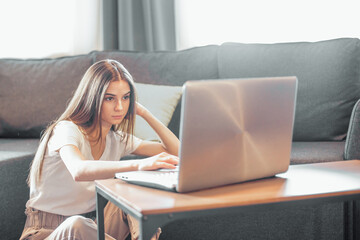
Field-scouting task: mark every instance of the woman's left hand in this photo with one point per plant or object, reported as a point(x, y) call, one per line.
point(162, 160)
point(140, 109)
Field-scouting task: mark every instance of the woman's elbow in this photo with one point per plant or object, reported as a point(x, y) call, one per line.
point(173, 151)
point(77, 178)
point(79, 174)
point(176, 148)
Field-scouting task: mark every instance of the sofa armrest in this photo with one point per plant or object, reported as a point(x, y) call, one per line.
point(352, 144)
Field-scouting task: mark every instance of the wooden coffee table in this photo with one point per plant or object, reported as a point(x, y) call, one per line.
point(301, 184)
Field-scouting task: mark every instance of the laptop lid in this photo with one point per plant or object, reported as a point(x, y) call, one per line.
point(235, 130)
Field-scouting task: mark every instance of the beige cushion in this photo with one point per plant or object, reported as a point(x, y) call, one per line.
point(161, 101)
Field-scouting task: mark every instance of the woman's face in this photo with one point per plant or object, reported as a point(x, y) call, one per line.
point(116, 103)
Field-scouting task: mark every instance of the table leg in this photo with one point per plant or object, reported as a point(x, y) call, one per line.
point(356, 226)
point(147, 229)
point(100, 204)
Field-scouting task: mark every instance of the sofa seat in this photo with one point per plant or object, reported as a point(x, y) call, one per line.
point(11, 148)
point(316, 152)
point(15, 158)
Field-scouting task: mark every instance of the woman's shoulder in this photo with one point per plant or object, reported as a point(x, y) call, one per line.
point(65, 133)
point(66, 125)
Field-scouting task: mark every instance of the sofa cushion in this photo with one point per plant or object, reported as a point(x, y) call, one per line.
point(316, 152)
point(328, 73)
point(35, 92)
point(161, 101)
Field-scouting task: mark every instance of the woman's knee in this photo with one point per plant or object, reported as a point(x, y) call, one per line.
point(75, 227)
point(77, 222)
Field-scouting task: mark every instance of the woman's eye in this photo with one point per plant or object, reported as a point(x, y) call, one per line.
point(109, 98)
point(126, 97)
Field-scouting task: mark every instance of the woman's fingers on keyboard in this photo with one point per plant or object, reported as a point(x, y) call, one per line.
point(165, 157)
point(167, 165)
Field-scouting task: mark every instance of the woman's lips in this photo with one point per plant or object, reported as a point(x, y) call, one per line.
point(118, 117)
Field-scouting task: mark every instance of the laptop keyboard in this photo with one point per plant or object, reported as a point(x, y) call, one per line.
point(169, 175)
point(160, 175)
point(162, 178)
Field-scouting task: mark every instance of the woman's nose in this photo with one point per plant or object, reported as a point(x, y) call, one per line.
point(118, 106)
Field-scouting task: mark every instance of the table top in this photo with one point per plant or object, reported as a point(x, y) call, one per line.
point(300, 182)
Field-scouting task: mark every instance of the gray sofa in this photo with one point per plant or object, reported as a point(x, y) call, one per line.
point(327, 122)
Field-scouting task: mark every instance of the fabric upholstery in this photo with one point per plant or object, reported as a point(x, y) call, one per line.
point(352, 149)
point(316, 152)
point(35, 92)
point(328, 75)
point(167, 68)
point(15, 158)
point(161, 101)
point(319, 222)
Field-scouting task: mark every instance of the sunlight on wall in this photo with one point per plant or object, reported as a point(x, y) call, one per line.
point(204, 22)
point(43, 28)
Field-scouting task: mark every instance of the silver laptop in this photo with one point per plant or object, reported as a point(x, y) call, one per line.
point(231, 131)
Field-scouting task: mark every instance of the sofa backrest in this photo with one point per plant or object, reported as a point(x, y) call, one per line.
point(35, 92)
point(167, 68)
point(328, 75)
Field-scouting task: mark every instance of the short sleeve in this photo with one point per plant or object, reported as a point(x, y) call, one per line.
point(65, 133)
point(132, 145)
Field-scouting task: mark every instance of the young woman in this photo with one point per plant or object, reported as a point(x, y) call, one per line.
point(85, 144)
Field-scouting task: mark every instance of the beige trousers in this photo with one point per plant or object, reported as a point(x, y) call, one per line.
point(43, 225)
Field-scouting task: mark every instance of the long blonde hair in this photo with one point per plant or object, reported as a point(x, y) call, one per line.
point(84, 108)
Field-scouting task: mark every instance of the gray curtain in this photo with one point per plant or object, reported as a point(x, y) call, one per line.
point(139, 25)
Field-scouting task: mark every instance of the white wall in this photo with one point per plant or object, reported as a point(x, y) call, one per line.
point(203, 22)
point(45, 28)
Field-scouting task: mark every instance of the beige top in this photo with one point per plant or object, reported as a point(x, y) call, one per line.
point(57, 191)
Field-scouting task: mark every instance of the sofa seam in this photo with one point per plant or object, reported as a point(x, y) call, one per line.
point(218, 62)
point(351, 129)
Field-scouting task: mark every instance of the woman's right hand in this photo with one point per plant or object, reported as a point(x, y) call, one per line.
point(162, 160)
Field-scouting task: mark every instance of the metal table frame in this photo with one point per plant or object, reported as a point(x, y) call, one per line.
point(149, 223)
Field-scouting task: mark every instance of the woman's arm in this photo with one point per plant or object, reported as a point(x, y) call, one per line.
point(169, 142)
point(89, 170)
